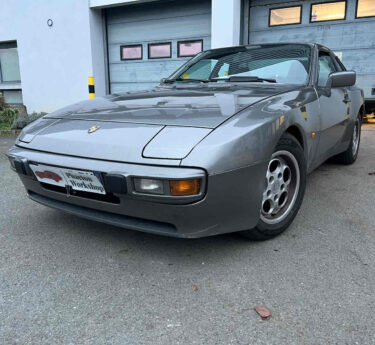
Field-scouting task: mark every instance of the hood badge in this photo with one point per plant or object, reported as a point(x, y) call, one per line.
point(93, 129)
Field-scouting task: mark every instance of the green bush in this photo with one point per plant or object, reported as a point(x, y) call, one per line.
point(35, 116)
point(8, 115)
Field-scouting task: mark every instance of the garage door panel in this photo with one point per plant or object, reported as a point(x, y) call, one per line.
point(155, 30)
point(366, 81)
point(344, 33)
point(162, 21)
point(151, 72)
point(360, 62)
point(114, 50)
point(352, 37)
point(275, 2)
point(291, 35)
point(157, 10)
point(259, 17)
point(124, 87)
point(334, 36)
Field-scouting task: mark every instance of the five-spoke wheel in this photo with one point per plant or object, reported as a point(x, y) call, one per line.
point(281, 187)
point(284, 187)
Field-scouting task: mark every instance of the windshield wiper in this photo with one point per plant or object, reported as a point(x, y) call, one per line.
point(170, 81)
point(246, 78)
point(232, 79)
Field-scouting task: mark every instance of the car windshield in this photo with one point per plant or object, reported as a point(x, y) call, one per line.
point(287, 64)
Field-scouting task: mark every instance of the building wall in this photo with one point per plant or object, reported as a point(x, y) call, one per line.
point(226, 23)
point(54, 61)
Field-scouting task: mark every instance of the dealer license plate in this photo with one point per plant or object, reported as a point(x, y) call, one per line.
point(86, 181)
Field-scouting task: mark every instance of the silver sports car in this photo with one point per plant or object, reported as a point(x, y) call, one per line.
point(222, 145)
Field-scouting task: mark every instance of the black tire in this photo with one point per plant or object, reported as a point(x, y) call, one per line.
point(350, 155)
point(265, 231)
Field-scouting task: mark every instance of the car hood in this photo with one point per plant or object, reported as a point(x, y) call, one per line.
point(142, 127)
point(204, 106)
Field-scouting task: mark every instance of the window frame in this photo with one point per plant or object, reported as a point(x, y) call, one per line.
point(311, 72)
point(149, 45)
point(332, 56)
point(188, 41)
point(131, 46)
point(8, 45)
point(2, 90)
point(356, 12)
point(328, 2)
point(339, 65)
point(281, 8)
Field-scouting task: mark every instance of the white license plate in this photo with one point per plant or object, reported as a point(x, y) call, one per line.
point(85, 181)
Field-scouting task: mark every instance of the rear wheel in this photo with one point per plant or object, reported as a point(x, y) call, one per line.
point(285, 183)
point(350, 155)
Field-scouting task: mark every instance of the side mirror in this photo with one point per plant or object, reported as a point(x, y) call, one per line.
point(342, 79)
point(162, 80)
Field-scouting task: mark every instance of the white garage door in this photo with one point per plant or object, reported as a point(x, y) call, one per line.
point(346, 27)
point(147, 42)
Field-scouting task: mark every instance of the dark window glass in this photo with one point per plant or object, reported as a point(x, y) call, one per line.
point(159, 50)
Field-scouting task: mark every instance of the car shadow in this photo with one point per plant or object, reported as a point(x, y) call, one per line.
point(121, 242)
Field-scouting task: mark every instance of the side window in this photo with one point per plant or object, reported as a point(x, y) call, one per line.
point(326, 67)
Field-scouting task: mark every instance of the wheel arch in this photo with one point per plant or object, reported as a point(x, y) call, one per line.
point(362, 111)
point(297, 133)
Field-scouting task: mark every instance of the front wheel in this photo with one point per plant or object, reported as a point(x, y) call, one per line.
point(285, 183)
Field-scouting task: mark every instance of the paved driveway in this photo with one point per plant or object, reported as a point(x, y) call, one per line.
point(65, 280)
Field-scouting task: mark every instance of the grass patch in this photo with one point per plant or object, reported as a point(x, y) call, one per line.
point(4, 126)
point(10, 134)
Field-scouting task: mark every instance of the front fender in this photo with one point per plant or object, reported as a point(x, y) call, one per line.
point(251, 136)
point(243, 141)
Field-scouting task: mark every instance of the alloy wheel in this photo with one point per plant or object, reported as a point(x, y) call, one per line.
point(281, 187)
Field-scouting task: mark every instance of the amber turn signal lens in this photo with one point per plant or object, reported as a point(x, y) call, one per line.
point(184, 187)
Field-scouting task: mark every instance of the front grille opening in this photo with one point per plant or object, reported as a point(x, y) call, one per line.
point(109, 197)
point(115, 219)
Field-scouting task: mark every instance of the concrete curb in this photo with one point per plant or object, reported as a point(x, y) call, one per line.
point(9, 132)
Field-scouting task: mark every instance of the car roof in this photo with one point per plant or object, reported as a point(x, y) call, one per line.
point(310, 44)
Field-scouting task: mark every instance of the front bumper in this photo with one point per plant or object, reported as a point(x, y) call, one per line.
point(231, 201)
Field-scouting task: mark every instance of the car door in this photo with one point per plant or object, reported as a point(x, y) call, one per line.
point(334, 106)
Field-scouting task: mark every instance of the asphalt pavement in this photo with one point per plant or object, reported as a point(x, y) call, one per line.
point(66, 280)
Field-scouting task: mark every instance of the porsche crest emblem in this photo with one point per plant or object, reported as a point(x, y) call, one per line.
point(93, 129)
